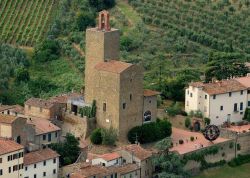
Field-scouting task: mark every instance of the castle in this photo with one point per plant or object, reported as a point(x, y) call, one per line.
point(116, 86)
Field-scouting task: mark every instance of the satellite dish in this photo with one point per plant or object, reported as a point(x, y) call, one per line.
point(211, 132)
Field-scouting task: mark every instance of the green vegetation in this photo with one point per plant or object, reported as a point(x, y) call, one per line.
point(89, 111)
point(168, 164)
point(226, 171)
point(247, 115)
point(69, 150)
point(25, 22)
point(187, 122)
point(241, 159)
point(104, 136)
point(150, 132)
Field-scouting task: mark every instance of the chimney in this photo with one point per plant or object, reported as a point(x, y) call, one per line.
point(104, 23)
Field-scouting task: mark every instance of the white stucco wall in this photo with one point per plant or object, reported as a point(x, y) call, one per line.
point(114, 162)
point(6, 164)
point(30, 171)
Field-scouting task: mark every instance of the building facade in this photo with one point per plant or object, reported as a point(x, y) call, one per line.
point(116, 86)
point(11, 159)
point(221, 101)
point(43, 163)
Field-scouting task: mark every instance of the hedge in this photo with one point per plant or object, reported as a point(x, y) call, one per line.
point(150, 132)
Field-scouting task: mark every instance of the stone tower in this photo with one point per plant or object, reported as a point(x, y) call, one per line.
point(102, 44)
point(116, 86)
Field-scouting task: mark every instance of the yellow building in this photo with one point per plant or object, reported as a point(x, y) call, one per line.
point(116, 86)
point(11, 159)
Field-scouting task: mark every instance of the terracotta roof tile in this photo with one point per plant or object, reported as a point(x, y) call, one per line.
point(63, 98)
point(124, 169)
point(110, 156)
point(113, 66)
point(8, 146)
point(150, 92)
point(244, 81)
point(42, 126)
point(39, 156)
point(220, 87)
point(7, 119)
point(137, 151)
point(37, 102)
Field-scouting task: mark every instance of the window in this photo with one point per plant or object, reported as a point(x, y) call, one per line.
point(130, 97)
point(26, 168)
point(124, 105)
point(205, 96)
point(191, 95)
point(104, 107)
point(1, 172)
point(56, 134)
point(241, 92)
point(44, 163)
point(44, 137)
point(217, 117)
point(214, 97)
point(44, 174)
point(54, 171)
point(49, 137)
point(34, 175)
point(147, 116)
point(241, 106)
point(34, 165)
point(248, 103)
point(248, 91)
point(235, 107)
point(241, 113)
point(1, 160)
point(54, 160)
point(230, 94)
point(9, 169)
point(221, 108)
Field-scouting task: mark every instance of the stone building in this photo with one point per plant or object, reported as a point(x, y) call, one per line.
point(116, 86)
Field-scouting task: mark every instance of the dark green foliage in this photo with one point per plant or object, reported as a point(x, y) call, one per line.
point(207, 121)
point(150, 132)
point(89, 111)
point(48, 50)
point(84, 20)
point(225, 66)
point(101, 4)
point(247, 115)
point(69, 150)
point(241, 159)
point(96, 136)
point(174, 109)
point(22, 74)
point(187, 122)
point(109, 136)
point(168, 164)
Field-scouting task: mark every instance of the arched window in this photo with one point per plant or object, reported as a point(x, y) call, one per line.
point(147, 116)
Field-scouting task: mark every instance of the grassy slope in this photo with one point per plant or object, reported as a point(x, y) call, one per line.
point(242, 171)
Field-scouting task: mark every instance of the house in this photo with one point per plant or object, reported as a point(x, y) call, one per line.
point(221, 101)
point(42, 163)
point(11, 159)
point(16, 128)
point(14, 110)
point(108, 159)
point(46, 109)
point(116, 86)
point(137, 155)
point(45, 132)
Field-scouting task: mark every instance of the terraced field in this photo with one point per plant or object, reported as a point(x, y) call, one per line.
point(25, 22)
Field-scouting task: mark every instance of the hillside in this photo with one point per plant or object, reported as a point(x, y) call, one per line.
point(25, 22)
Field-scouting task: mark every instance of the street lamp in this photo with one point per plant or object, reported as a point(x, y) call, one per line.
point(236, 139)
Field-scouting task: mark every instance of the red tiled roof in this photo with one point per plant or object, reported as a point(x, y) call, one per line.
point(7, 119)
point(39, 156)
point(113, 66)
point(8, 146)
point(138, 151)
point(37, 102)
point(110, 156)
point(220, 87)
point(150, 92)
point(244, 81)
point(63, 98)
point(124, 169)
point(42, 126)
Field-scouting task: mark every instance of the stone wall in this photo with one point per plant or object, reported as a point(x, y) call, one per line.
point(79, 126)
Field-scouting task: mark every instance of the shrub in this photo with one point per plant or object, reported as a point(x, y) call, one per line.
point(181, 141)
point(174, 109)
point(150, 132)
point(96, 136)
point(241, 159)
point(187, 122)
point(207, 120)
point(109, 136)
point(198, 114)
